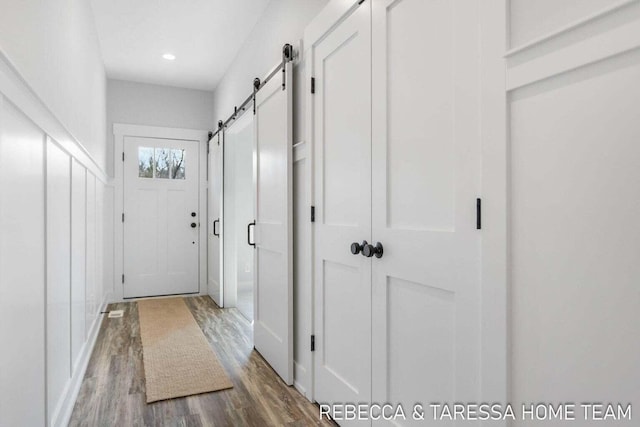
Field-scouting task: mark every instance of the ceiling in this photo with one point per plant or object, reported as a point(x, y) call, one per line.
point(204, 35)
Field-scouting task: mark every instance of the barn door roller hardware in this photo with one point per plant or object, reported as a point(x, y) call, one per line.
point(287, 56)
point(220, 124)
point(256, 88)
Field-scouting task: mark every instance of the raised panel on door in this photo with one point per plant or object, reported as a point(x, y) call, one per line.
point(425, 181)
point(161, 217)
point(273, 233)
point(78, 258)
point(22, 270)
point(215, 219)
point(342, 163)
point(58, 275)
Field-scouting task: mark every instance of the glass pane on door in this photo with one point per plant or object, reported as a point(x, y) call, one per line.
point(145, 162)
point(163, 161)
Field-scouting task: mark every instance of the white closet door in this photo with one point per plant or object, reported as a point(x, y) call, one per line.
point(342, 163)
point(214, 235)
point(273, 298)
point(425, 182)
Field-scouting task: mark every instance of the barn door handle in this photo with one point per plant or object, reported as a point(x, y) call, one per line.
point(214, 227)
point(370, 250)
point(249, 233)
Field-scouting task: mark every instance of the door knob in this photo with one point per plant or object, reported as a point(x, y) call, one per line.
point(356, 248)
point(370, 250)
point(193, 214)
point(194, 225)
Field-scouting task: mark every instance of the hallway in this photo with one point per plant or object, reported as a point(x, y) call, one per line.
point(113, 389)
point(350, 211)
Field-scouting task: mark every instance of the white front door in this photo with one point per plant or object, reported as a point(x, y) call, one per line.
point(425, 183)
point(161, 217)
point(273, 271)
point(342, 161)
point(214, 234)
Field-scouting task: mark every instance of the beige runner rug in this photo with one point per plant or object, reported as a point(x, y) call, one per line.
point(177, 358)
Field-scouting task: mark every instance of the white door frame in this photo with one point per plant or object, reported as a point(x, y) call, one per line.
point(120, 131)
point(494, 262)
point(494, 256)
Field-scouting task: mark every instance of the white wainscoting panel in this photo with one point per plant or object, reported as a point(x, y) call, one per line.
point(530, 20)
point(58, 275)
point(78, 258)
point(56, 258)
point(572, 105)
point(90, 286)
point(22, 269)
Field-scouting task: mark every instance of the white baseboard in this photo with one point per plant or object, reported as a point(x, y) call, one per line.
point(62, 414)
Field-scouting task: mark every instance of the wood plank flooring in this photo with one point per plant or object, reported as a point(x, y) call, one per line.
point(113, 390)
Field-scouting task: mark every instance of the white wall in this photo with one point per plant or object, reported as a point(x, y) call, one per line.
point(55, 267)
point(153, 105)
point(282, 22)
point(573, 188)
point(54, 46)
point(22, 269)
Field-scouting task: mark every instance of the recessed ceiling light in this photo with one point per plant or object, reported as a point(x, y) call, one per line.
point(169, 56)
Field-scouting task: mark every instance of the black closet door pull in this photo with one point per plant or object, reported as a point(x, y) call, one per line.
point(370, 250)
point(214, 227)
point(249, 233)
point(356, 248)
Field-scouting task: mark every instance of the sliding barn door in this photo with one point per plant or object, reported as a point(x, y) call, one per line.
point(425, 182)
point(214, 234)
point(342, 163)
point(272, 232)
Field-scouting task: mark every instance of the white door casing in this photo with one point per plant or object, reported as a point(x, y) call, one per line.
point(272, 233)
point(425, 183)
point(161, 245)
point(341, 116)
point(215, 219)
